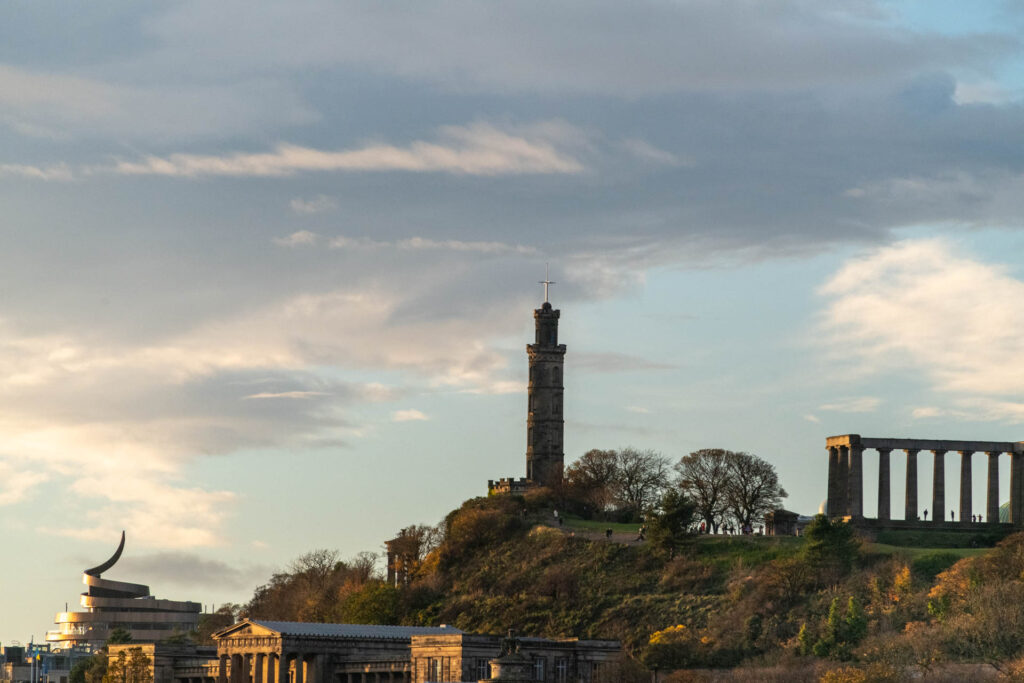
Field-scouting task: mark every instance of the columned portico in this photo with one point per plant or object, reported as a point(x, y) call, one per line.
point(846, 484)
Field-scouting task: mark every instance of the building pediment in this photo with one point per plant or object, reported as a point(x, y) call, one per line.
point(245, 628)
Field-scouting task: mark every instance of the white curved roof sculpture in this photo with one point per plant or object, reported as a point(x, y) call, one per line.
point(118, 604)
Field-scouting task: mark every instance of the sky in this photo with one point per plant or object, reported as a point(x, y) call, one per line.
point(267, 269)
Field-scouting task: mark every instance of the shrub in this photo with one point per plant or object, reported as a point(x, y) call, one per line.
point(932, 564)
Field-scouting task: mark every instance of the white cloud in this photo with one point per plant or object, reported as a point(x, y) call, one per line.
point(860, 404)
point(645, 151)
point(640, 410)
point(477, 149)
point(54, 172)
point(408, 415)
point(297, 239)
point(318, 204)
point(923, 304)
point(812, 418)
point(982, 92)
point(286, 394)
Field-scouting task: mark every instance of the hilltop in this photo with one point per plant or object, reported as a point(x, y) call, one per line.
point(795, 608)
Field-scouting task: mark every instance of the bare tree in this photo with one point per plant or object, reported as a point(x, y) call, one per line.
point(753, 487)
point(591, 479)
point(641, 478)
point(410, 547)
point(704, 478)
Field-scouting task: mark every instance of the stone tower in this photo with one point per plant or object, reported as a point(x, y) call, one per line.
point(544, 424)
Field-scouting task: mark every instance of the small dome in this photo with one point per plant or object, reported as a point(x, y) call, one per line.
point(546, 306)
point(821, 508)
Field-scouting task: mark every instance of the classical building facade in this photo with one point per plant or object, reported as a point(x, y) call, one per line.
point(846, 479)
point(118, 604)
point(259, 651)
point(471, 657)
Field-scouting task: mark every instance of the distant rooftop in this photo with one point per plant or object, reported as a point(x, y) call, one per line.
point(299, 628)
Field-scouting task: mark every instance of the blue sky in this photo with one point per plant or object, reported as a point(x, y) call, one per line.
point(267, 269)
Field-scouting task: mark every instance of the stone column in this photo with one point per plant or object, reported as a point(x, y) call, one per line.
point(222, 669)
point(300, 669)
point(282, 668)
point(856, 503)
point(236, 669)
point(910, 501)
point(966, 481)
point(1016, 507)
point(883, 483)
point(939, 487)
point(258, 664)
point(992, 494)
point(832, 506)
point(843, 482)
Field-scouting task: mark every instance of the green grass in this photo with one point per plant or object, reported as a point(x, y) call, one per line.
point(574, 522)
point(914, 553)
point(940, 539)
point(748, 550)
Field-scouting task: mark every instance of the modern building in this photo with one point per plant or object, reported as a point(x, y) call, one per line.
point(39, 663)
point(118, 604)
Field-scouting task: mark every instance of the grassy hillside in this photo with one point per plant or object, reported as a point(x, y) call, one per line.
point(801, 606)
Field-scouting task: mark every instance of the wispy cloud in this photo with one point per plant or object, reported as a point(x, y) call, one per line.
point(300, 238)
point(286, 394)
point(645, 151)
point(426, 244)
point(859, 404)
point(17, 484)
point(190, 569)
point(478, 149)
point(318, 204)
point(55, 172)
point(408, 415)
point(611, 361)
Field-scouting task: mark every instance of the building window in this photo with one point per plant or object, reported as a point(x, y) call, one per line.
point(433, 670)
point(483, 669)
point(538, 669)
point(562, 670)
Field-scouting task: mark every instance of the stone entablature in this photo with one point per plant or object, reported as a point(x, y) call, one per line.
point(846, 478)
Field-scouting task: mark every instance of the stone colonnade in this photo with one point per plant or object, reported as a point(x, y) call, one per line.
point(846, 476)
point(271, 667)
